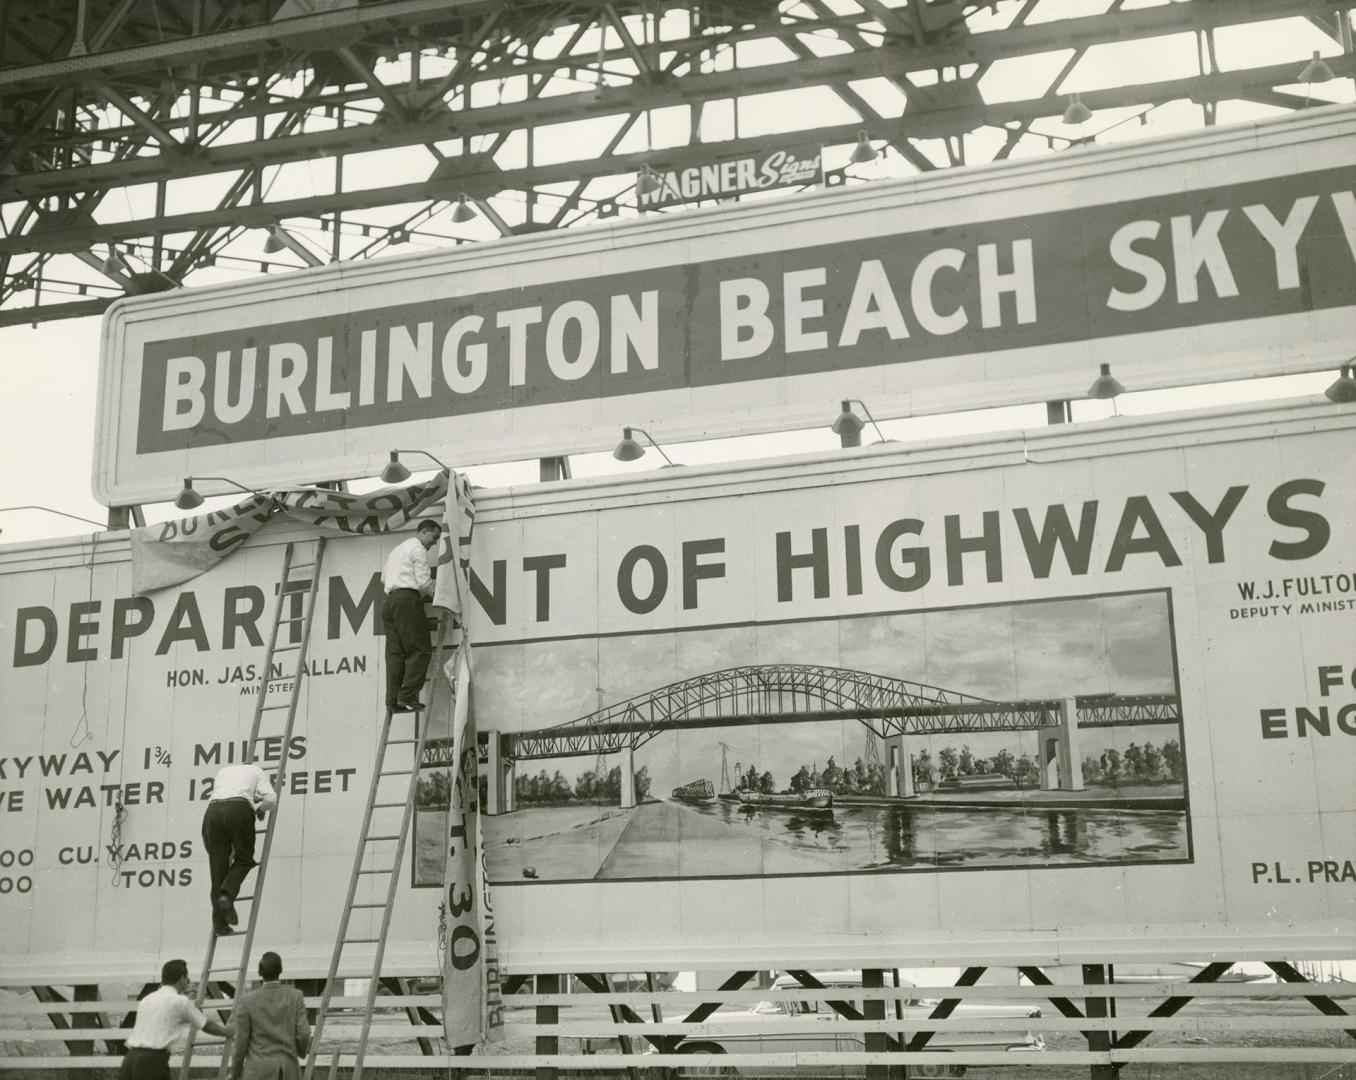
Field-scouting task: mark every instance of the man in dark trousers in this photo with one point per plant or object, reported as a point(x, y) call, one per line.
point(407, 581)
point(271, 1032)
point(163, 1017)
point(241, 795)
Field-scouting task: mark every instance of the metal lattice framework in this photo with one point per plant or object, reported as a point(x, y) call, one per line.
point(805, 693)
point(146, 144)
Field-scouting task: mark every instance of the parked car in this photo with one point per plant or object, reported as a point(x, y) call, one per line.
point(753, 1030)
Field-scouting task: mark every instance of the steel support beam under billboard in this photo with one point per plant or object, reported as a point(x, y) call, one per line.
point(181, 96)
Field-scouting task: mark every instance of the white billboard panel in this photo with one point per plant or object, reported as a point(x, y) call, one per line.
point(1083, 693)
point(1216, 255)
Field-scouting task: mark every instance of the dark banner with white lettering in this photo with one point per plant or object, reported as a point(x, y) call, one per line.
point(1195, 258)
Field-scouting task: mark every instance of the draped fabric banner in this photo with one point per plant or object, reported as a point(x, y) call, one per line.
point(173, 552)
point(381, 511)
point(472, 1003)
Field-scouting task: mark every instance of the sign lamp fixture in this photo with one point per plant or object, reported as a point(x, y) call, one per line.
point(630, 450)
point(273, 243)
point(647, 181)
point(863, 151)
point(1076, 112)
point(1105, 386)
point(393, 472)
point(463, 211)
point(1343, 391)
point(189, 499)
point(1316, 70)
point(114, 264)
point(848, 426)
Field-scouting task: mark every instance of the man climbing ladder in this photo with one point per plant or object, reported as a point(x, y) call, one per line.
point(241, 794)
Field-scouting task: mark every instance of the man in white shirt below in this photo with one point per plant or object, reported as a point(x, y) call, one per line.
point(407, 581)
point(163, 1017)
point(240, 795)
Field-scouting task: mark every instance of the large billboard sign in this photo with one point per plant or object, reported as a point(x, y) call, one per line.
point(1219, 255)
point(1088, 692)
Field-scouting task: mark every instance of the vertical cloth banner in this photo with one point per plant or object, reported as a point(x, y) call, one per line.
point(473, 1009)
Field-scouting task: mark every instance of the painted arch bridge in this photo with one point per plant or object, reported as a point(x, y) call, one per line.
point(892, 709)
point(807, 693)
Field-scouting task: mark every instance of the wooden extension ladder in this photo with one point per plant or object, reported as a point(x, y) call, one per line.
point(299, 579)
point(373, 843)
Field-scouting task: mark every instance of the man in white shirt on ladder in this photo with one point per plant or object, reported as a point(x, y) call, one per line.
point(241, 795)
point(407, 581)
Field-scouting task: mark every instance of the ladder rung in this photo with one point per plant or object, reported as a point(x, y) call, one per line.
point(242, 899)
point(394, 772)
point(385, 805)
point(270, 708)
point(286, 648)
point(356, 906)
point(361, 940)
point(388, 870)
point(399, 742)
point(392, 836)
point(301, 565)
point(293, 619)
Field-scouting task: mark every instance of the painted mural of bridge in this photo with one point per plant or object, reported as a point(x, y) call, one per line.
point(892, 709)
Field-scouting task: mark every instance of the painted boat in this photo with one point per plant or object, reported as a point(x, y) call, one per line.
point(814, 799)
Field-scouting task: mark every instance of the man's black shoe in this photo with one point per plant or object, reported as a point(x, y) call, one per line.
point(409, 706)
point(227, 912)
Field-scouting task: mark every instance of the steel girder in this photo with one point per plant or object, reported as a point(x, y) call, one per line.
point(99, 96)
point(803, 693)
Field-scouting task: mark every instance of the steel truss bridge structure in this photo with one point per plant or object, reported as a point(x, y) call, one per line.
point(149, 144)
point(805, 693)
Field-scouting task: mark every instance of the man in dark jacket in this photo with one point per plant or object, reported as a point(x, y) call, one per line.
point(271, 1028)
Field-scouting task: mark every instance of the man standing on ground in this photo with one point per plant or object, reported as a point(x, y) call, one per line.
point(271, 1031)
point(407, 580)
point(163, 1017)
point(241, 794)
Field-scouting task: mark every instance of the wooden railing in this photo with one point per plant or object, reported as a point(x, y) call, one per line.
point(1100, 1025)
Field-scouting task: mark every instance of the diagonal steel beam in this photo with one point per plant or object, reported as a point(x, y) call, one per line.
point(633, 50)
point(394, 106)
point(906, 149)
point(138, 116)
point(242, 42)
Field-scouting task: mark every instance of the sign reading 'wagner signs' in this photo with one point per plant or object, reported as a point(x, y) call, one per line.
point(918, 299)
point(785, 166)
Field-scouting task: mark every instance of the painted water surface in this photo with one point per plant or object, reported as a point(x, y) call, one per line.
point(725, 839)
